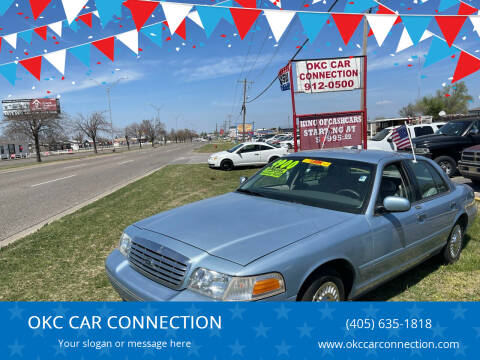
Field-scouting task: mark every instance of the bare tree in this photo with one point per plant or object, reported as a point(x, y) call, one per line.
point(92, 126)
point(148, 127)
point(126, 134)
point(136, 131)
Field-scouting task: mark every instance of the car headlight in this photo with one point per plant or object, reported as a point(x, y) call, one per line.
point(421, 150)
point(213, 158)
point(235, 288)
point(125, 244)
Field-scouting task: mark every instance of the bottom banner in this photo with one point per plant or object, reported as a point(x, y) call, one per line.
point(353, 330)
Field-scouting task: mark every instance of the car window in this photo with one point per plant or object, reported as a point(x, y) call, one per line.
point(423, 130)
point(264, 147)
point(394, 184)
point(248, 148)
point(441, 185)
point(381, 135)
point(426, 185)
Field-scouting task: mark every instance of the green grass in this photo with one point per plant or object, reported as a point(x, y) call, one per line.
point(211, 148)
point(65, 260)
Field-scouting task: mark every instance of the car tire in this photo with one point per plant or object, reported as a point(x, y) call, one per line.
point(328, 286)
point(453, 248)
point(272, 159)
point(226, 165)
point(448, 164)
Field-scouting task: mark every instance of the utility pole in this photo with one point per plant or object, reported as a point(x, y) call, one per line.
point(363, 98)
point(244, 106)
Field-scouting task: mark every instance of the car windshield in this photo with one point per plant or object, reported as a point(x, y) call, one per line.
point(235, 148)
point(454, 128)
point(381, 135)
point(335, 184)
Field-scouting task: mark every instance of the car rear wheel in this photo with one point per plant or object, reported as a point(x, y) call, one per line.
point(272, 159)
point(447, 164)
point(226, 165)
point(453, 248)
point(327, 287)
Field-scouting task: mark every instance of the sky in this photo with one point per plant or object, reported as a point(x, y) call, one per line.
point(195, 82)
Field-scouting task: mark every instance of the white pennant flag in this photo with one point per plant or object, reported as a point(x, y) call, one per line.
point(96, 13)
point(56, 27)
point(57, 59)
point(11, 39)
point(175, 13)
point(405, 40)
point(72, 8)
point(475, 19)
point(196, 18)
point(130, 39)
point(279, 3)
point(278, 21)
point(381, 25)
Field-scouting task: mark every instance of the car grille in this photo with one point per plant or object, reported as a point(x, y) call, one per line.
point(470, 156)
point(159, 263)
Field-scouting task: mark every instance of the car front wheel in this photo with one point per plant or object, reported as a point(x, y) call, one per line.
point(226, 165)
point(447, 164)
point(453, 248)
point(327, 287)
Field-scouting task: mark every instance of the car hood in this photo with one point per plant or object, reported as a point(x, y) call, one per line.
point(435, 138)
point(242, 228)
point(219, 154)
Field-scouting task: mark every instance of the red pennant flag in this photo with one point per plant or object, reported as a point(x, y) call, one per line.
point(42, 32)
point(0, 44)
point(33, 65)
point(247, 3)
point(87, 19)
point(38, 6)
point(106, 46)
point(450, 26)
point(181, 30)
point(141, 11)
point(467, 64)
point(244, 19)
point(466, 9)
point(347, 24)
point(384, 10)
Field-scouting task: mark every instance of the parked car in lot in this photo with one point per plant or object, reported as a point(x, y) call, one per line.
point(383, 139)
point(469, 165)
point(446, 145)
point(246, 154)
point(288, 143)
point(312, 226)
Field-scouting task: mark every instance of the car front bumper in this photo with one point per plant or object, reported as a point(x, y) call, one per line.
point(469, 170)
point(213, 163)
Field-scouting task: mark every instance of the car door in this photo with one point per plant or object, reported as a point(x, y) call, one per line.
point(266, 152)
point(249, 155)
point(474, 133)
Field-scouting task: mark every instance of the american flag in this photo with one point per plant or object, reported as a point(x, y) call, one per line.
point(400, 137)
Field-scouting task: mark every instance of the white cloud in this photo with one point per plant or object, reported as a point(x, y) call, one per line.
point(384, 102)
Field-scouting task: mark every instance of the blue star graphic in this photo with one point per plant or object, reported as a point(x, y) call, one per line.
point(237, 349)
point(126, 333)
point(38, 332)
point(305, 330)
point(171, 332)
point(59, 350)
point(461, 350)
point(393, 333)
point(16, 349)
point(415, 352)
point(16, 312)
point(261, 330)
point(283, 349)
point(326, 352)
point(192, 310)
point(149, 310)
point(60, 310)
point(214, 333)
point(459, 312)
point(415, 311)
point(371, 311)
point(237, 312)
point(282, 311)
point(438, 330)
point(348, 332)
point(83, 332)
point(104, 310)
point(326, 311)
point(193, 350)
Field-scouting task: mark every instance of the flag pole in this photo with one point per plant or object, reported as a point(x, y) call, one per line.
point(411, 143)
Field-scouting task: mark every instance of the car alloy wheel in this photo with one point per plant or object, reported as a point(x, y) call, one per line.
point(446, 166)
point(327, 292)
point(455, 241)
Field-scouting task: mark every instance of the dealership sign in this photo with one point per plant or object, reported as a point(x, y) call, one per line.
point(325, 75)
point(323, 131)
point(248, 128)
point(30, 106)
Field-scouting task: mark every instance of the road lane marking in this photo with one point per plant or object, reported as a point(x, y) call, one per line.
point(50, 181)
point(125, 162)
point(74, 166)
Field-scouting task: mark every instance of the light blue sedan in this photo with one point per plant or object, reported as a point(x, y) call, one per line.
point(312, 226)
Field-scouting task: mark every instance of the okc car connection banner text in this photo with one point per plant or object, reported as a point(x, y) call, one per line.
point(353, 330)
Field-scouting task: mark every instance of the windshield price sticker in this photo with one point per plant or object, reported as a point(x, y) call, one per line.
point(279, 168)
point(317, 162)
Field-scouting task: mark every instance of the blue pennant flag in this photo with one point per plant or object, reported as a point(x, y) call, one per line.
point(445, 4)
point(26, 35)
point(4, 5)
point(82, 53)
point(416, 26)
point(439, 50)
point(154, 33)
point(211, 16)
point(108, 8)
point(9, 71)
point(359, 6)
point(312, 23)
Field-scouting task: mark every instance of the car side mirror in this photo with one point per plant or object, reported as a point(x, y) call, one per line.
point(243, 179)
point(396, 204)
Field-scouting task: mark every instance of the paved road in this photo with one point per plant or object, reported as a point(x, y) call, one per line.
point(31, 195)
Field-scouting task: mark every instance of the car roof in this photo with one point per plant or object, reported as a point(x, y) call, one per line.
point(255, 143)
point(369, 156)
point(417, 125)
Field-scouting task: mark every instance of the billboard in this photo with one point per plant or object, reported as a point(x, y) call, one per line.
point(30, 106)
point(248, 128)
point(325, 75)
point(323, 131)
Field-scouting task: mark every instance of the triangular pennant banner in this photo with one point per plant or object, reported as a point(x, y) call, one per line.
point(26, 35)
point(154, 33)
point(9, 72)
point(347, 24)
point(106, 46)
point(450, 26)
point(33, 66)
point(405, 40)
point(74, 26)
point(278, 21)
point(439, 50)
point(381, 25)
point(416, 26)
point(384, 10)
point(467, 65)
point(182, 30)
point(196, 18)
point(82, 53)
point(57, 59)
point(4, 5)
point(244, 19)
point(38, 6)
point(108, 8)
point(359, 6)
point(247, 3)
point(72, 8)
point(86, 19)
point(466, 9)
point(57, 27)
point(11, 39)
point(141, 11)
point(41, 31)
point(475, 19)
point(312, 23)
point(175, 13)
point(211, 16)
point(130, 39)
point(445, 4)
point(277, 3)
